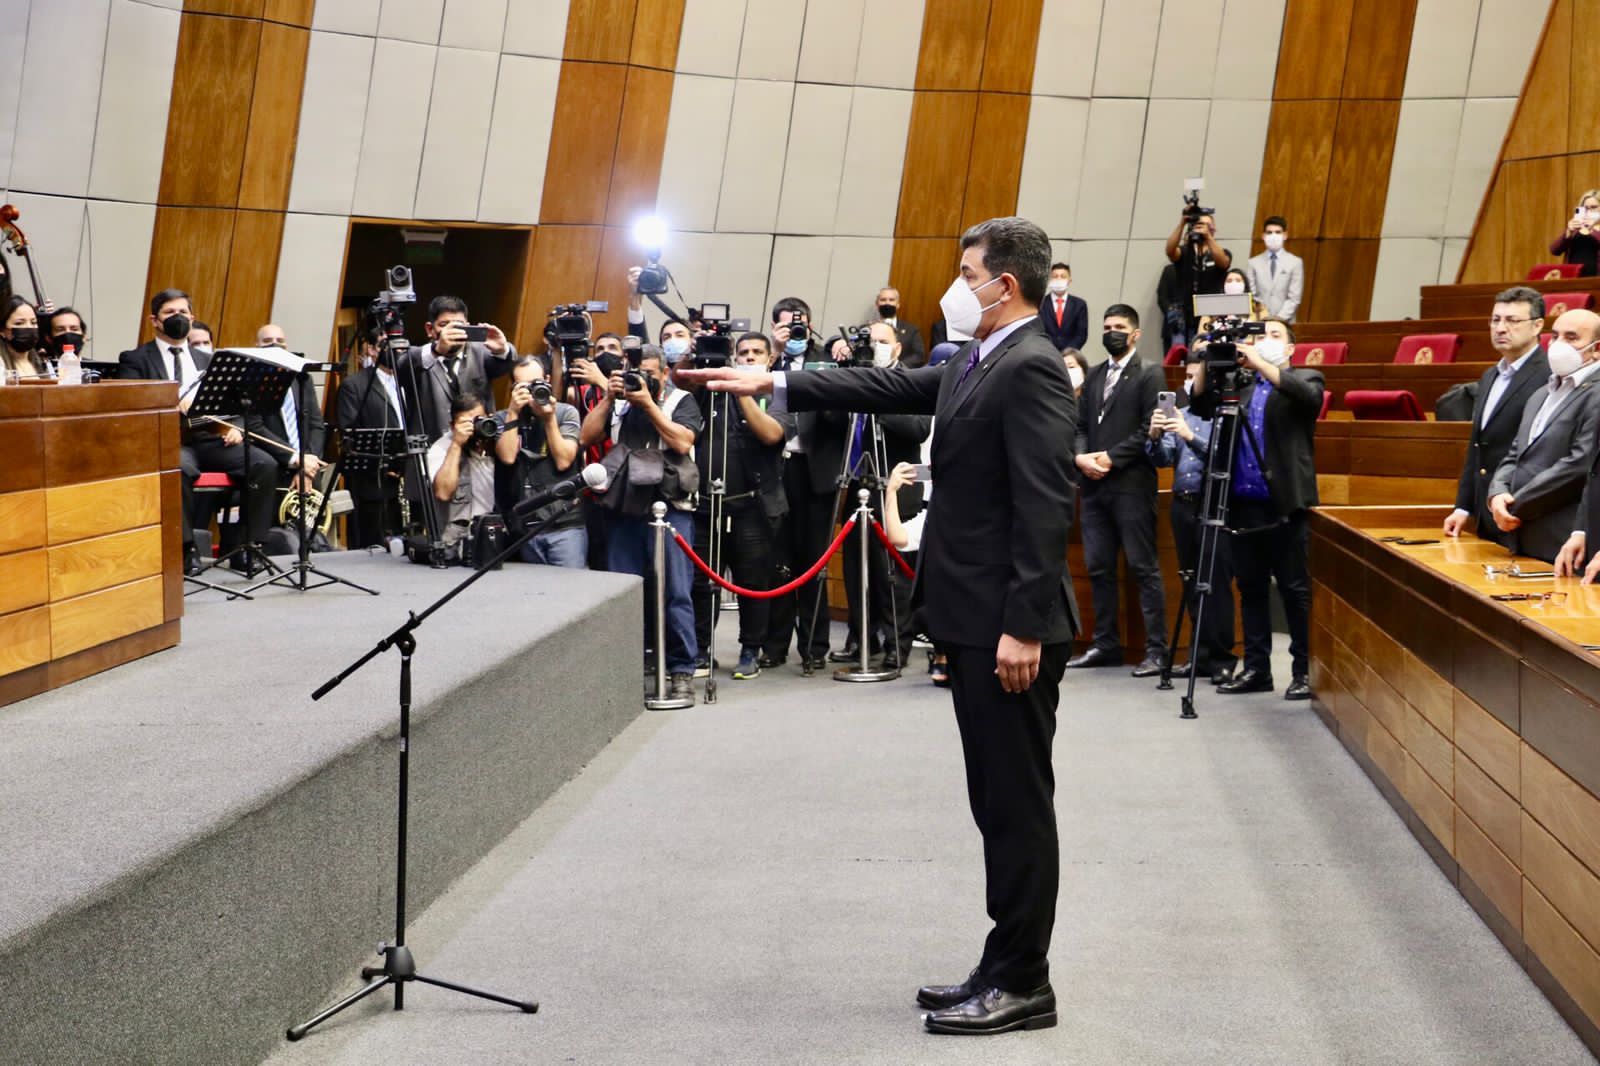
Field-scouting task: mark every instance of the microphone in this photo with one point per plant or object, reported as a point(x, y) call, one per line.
point(592, 478)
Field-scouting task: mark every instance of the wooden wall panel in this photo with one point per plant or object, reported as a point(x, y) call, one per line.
point(209, 116)
point(289, 12)
point(1346, 270)
point(22, 519)
point(1363, 149)
point(102, 562)
point(274, 120)
point(99, 617)
point(561, 267)
point(24, 580)
point(1380, 45)
point(993, 175)
point(600, 31)
point(583, 143)
point(932, 183)
point(953, 40)
point(1583, 79)
point(1012, 46)
point(190, 250)
point(1311, 54)
point(95, 508)
point(1569, 811)
point(922, 269)
point(656, 30)
point(1537, 188)
point(1570, 886)
point(1559, 947)
point(24, 639)
point(1294, 171)
point(124, 445)
point(641, 140)
point(1490, 869)
point(252, 274)
point(1539, 127)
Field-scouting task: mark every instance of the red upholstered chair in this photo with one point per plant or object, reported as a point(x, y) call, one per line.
point(214, 494)
point(1545, 339)
point(1176, 355)
point(1557, 304)
point(1399, 405)
point(1319, 353)
point(1327, 403)
point(1552, 271)
point(1428, 348)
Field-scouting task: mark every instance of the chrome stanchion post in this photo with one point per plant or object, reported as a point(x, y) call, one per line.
point(662, 700)
point(863, 671)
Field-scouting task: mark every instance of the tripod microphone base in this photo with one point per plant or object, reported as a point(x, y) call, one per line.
point(856, 674)
point(1188, 708)
point(667, 703)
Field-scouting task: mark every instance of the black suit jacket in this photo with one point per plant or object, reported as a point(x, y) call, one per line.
point(428, 404)
point(316, 429)
point(1488, 445)
point(913, 353)
point(364, 407)
point(146, 363)
point(1074, 329)
point(1547, 476)
point(1124, 429)
point(1290, 427)
point(993, 559)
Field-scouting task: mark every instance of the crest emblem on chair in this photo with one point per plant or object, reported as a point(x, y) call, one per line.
point(1424, 355)
point(1314, 358)
point(1552, 274)
point(1558, 309)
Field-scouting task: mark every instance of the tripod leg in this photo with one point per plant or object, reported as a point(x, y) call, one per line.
point(527, 1006)
point(297, 1031)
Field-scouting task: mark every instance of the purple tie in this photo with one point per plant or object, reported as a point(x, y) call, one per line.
point(972, 361)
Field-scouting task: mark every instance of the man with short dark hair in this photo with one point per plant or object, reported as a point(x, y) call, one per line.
point(913, 352)
point(1119, 493)
point(450, 365)
point(1503, 391)
point(537, 447)
point(1201, 263)
point(67, 326)
point(462, 466)
point(1277, 277)
point(1065, 317)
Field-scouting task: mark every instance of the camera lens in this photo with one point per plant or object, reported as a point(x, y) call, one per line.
point(632, 380)
point(399, 277)
point(541, 392)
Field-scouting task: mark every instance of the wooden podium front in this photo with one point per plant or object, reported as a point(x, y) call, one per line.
point(91, 555)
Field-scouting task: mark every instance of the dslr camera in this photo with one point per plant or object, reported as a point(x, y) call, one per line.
point(713, 345)
point(859, 338)
point(653, 277)
point(543, 395)
point(1193, 210)
point(486, 429)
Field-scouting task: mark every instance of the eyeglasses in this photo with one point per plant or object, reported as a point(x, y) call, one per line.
point(1557, 598)
point(1496, 320)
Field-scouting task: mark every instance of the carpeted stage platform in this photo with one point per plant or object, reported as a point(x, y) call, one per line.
point(194, 851)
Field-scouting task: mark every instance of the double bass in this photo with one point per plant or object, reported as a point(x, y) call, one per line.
point(17, 241)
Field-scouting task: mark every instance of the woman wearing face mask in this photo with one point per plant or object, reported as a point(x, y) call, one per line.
point(1579, 242)
point(23, 354)
point(1076, 370)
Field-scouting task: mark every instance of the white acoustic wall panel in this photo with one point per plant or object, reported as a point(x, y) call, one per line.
point(307, 296)
point(1061, 252)
point(752, 172)
point(411, 20)
point(1247, 49)
point(1069, 38)
point(458, 134)
point(14, 41)
point(770, 47)
point(1127, 52)
point(1052, 164)
point(874, 159)
point(1508, 32)
point(857, 269)
point(474, 24)
point(815, 162)
point(1146, 260)
point(115, 258)
point(397, 119)
point(1236, 141)
point(692, 158)
point(1455, 248)
point(1441, 48)
point(1186, 49)
point(55, 114)
point(831, 41)
point(135, 89)
point(891, 39)
point(55, 226)
point(519, 139)
point(1097, 269)
point(1419, 177)
point(347, 16)
point(709, 40)
point(799, 268)
point(1173, 131)
point(1483, 129)
point(536, 27)
point(736, 274)
point(333, 107)
point(1110, 169)
point(1404, 265)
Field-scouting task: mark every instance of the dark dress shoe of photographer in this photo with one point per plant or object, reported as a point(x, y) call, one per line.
point(1150, 667)
point(1299, 688)
point(1221, 675)
point(1247, 681)
point(682, 686)
point(995, 1010)
point(943, 997)
point(1095, 657)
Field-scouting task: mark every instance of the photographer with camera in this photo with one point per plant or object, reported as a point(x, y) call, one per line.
point(658, 424)
point(364, 403)
point(1201, 263)
point(459, 361)
point(1274, 486)
point(462, 462)
point(538, 445)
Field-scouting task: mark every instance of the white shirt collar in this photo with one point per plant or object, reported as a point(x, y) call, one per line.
point(1577, 377)
point(992, 341)
point(1119, 365)
point(1513, 367)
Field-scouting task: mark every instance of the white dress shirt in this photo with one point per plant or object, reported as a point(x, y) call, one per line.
point(1504, 372)
point(180, 368)
point(1561, 390)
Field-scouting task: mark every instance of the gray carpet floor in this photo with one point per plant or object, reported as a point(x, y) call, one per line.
point(768, 879)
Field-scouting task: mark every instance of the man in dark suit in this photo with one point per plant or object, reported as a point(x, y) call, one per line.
point(168, 357)
point(300, 405)
point(1119, 492)
point(913, 352)
point(1274, 486)
point(998, 599)
point(370, 399)
point(449, 365)
point(1536, 491)
point(1065, 317)
point(1514, 328)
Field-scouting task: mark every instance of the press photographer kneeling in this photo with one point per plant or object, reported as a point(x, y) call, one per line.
point(1274, 485)
point(538, 445)
point(463, 473)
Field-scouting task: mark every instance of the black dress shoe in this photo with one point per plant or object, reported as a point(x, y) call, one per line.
point(1299, 688)
point(1150, 667)
point(1247, 681)
point(191, 560)
point(996, 1011)
point(1222, 674)
point(1095, 657)
point(850, 653)
point(943, 997)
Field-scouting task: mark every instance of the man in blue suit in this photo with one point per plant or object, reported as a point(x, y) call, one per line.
point(1065, 317)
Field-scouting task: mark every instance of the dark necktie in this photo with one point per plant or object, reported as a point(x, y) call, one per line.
point(177, 366)
point(449, 363)
point(972, 361)
point(1272, 265)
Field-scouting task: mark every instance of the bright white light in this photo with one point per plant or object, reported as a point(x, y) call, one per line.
point(650, 233)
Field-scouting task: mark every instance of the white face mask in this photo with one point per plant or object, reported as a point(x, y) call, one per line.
point(203, 348)
point(1058, 286)
point(962, 308)
point(1273, 241)
point(1075, 375)
point(1272, 350)
point(1233, 287)
point(1565, 359)
point(882, 353)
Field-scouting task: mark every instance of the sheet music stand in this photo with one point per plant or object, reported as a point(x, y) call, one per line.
point(236, 384)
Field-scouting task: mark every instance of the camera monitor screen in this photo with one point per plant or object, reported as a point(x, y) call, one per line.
point(1221, 304)
point(713, 312)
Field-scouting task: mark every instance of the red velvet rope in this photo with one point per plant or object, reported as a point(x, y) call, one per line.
point(894, 553)
point(769, 594)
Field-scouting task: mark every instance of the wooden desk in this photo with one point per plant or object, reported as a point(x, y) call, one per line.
point(1478, 720)
point(1428, 381)
point(91, 559)
point(1375, 342)
point(1477, 298)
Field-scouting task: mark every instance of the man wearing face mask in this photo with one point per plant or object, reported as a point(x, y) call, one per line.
point(201, 340)
point(1065, 317)
point(913, 352)
point(1119, 493)
point(370, 399)
point(998, 599)
point(1537, 488)
point(1274, 486)
point(304, 460)
point(1277, 277)
point(1503, 391)
point(67, 327)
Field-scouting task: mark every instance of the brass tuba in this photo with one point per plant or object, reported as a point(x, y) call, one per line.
point(311, 499)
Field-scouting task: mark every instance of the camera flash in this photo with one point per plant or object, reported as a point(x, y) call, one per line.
point(650, 233)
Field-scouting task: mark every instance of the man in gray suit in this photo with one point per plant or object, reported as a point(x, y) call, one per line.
point(1536, 490)
point(1277, 277)
point(451, 365)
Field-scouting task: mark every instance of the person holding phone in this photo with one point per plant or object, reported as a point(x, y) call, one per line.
point(1579, 241)
point(452, 365)
point(907, 539)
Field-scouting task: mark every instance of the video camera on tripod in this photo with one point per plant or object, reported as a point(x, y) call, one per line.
point(1230, 326)
point(859, 338)
point(713, 345)
point(1193, 211)
point(387, 314)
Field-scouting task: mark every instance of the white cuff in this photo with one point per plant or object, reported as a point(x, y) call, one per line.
point(780, 393)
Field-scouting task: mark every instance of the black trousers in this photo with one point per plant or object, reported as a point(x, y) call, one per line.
point(212, 456)
point(1125, 522)
point(1216, 628)
point(1006, 742)
point(748, 536)
point(802, 538)
point(372, 520)
point(1279, 552)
